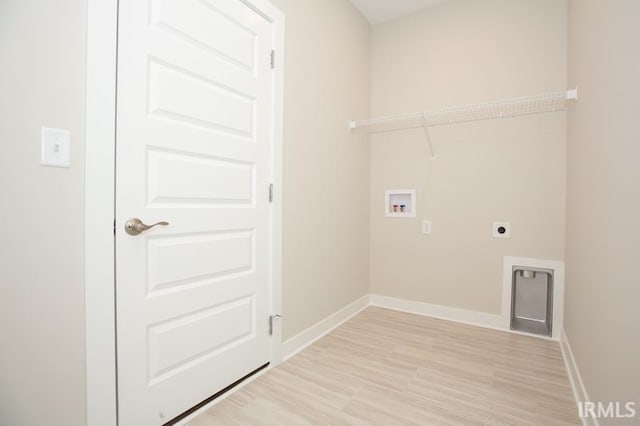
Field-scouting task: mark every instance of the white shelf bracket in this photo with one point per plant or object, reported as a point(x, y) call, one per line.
point(425, 127)
point(352, 125)
point(573, 94)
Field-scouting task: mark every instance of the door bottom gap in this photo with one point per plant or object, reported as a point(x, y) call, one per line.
point(214, 396)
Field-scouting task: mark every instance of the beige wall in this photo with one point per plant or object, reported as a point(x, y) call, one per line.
point(326, 169)
point(42, 51)
point(603, 204)
point(511, 170)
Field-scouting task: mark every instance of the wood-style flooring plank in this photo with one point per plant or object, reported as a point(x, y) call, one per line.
point(385, 367)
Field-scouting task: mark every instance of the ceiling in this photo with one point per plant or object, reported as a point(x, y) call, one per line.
point(377, 11)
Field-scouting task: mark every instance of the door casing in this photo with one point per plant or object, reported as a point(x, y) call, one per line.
point(99, 202)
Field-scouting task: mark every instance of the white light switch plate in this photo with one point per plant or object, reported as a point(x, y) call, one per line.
point(56, 147)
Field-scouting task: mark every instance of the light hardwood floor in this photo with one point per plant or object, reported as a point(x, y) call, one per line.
point(385, 367)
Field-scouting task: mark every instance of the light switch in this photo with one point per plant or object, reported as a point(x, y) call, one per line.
point(56, 147)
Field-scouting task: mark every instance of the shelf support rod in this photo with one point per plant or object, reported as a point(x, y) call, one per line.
point(426, 134)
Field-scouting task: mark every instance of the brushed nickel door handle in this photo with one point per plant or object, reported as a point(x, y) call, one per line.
point(136, 226)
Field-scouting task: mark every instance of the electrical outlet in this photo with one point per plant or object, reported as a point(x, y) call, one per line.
point(501, 230)
point(426, 227)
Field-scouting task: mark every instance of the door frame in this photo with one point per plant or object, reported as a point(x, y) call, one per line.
point(99, 202)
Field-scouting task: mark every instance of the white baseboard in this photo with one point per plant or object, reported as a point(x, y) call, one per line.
point(481, 319)
point(315, 332)
point(579, 391)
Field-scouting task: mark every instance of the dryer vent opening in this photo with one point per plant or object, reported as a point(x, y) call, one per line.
point(532, 300)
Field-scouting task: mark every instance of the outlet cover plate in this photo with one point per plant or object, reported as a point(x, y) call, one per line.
point(426, 227)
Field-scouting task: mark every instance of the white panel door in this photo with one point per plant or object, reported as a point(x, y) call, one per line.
point(194, 140)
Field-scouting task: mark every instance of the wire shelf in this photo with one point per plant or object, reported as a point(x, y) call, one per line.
point(505, 108)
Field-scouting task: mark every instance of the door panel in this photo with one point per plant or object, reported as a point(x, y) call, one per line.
point(177, 16)
point(176, 262)
point(172, 346)
point(185, 97)
point(194, 129)
point(179, 179)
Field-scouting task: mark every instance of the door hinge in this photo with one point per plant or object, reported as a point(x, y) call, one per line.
point(273, 59)
point(271, 193)
point(271, 319)
point(114, 227)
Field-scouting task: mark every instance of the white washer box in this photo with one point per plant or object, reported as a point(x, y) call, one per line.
point(400, 203)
